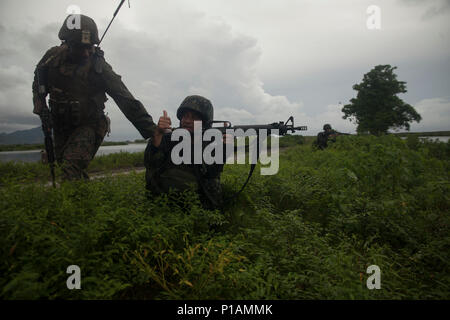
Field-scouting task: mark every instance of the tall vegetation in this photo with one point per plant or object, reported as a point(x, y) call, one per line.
point(309, 232)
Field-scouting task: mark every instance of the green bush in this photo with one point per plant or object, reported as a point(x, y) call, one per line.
point(309, 232)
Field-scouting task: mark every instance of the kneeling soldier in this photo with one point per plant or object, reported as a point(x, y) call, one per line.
point(162, 174)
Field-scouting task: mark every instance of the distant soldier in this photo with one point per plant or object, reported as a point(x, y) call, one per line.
point(76, 77)
point(162, 174)
point(328, 134)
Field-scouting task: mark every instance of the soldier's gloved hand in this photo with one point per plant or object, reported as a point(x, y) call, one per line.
point(164, 126)
point(164, 123)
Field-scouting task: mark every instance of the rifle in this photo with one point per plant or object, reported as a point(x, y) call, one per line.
point(46, 120)
point(335, 133)
point(283, 127)
point(342, 134)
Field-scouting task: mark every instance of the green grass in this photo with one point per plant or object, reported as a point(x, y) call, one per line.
point(21, 147)
point(309, 232)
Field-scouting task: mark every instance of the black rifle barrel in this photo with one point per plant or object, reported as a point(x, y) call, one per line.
point(48, 141)
point(255, 127)
point(283, 129)
point(42, 74)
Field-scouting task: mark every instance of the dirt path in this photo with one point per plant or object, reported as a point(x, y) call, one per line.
point(116, 172)
point(110, 173)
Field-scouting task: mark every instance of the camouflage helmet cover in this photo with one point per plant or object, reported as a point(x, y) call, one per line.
point(198, 104)
point(86, 34)
point(327, 126)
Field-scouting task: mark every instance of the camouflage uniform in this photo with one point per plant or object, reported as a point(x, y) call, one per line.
point(76, 102)
point(323, 137)
point(162, 174)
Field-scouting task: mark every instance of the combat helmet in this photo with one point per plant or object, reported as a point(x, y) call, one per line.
point(86, 34)
point(327, 126)
point(198, 104)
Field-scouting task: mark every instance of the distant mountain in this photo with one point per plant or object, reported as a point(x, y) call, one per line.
point(31, 136)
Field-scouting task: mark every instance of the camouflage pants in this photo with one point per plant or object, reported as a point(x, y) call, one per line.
point(76, 147)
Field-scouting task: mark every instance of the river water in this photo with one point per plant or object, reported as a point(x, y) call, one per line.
point(35, 155)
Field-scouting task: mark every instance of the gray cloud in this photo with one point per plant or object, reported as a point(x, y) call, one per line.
point(259, 64)
point(24, 120)
point(23, 47)
point(431, 8)
point(435, 114)
point(13, 76)
point(434, 11)
point(209, 59)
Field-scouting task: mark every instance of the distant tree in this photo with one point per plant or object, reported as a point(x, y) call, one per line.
point(377, 107)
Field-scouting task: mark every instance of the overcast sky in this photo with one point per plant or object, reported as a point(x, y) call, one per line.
point(258, 61)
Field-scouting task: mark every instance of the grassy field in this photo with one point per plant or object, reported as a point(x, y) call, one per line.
point(309, 232)
point(21, 147)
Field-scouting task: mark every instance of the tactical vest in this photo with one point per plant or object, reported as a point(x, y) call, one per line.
point(201, 178)
point(77, 94)
point(322, 139)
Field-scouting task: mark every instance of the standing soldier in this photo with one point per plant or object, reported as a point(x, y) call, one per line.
point(76, 77)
